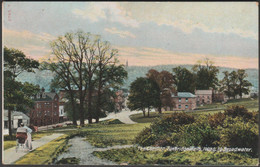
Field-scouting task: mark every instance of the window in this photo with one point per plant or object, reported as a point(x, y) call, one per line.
point(208, 97)
point(6, 124)
point(186, 99)
point(186, 106)
point(179, 106)
point(179, 99)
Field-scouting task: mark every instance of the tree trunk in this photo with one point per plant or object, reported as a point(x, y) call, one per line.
point(89, 105)
point(81, 110)
point(148, 112)
point(9, 122)
point(160, 109)
point(144, 113)
point(97, 120)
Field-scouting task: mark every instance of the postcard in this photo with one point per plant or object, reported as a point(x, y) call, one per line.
point(130, 83)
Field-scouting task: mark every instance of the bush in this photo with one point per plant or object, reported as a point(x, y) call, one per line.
point(216, 119)
point(111, 121)
point(238, 133)
point(238, 111)
point(171, 123)
point(196, 134)
point(145, 137)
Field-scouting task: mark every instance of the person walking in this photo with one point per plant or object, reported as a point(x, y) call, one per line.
point(29, 137)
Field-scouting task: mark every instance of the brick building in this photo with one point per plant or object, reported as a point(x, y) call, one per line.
point(204, 96)
point(184, 101)
point(46, 109)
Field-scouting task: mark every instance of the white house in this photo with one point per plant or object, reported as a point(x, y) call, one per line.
point(17, 117)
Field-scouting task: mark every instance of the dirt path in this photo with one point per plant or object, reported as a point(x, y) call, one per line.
point(83, 150)
point(10, 155)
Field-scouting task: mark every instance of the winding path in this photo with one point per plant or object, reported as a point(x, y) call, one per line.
point(83, 150)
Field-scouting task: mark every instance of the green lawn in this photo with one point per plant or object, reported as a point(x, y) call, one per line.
point(251, 105)
point(114, 134)
point(45, 154)
point(133, 156)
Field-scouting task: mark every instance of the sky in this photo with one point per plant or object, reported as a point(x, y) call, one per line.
point(145, 33)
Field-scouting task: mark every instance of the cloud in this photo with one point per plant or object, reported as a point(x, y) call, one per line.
point(122, 34)
point(33, 45)
point(110, 11)
point(144, 56)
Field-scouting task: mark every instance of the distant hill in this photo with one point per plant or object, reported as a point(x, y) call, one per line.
point(43, 78)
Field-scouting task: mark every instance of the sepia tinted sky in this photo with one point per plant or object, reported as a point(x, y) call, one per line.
point(153, 33)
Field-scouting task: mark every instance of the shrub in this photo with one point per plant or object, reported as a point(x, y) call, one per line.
point(238, 133)
point(196, 134)
point(171, 123)
point(238, 111)
point(145, 137)
point(216, 119)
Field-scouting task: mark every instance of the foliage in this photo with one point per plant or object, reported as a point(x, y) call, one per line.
point(238, 133)
point(17, 95)
point(134, 156)
point(216, 119)
point(161, 130)
point(184, 79)
point(243, 84)
point(144, 93)
point(238, 111)
point(206, 74)
point(145, 137)
point(196, 134)
point(171, 123)
point(70, 160)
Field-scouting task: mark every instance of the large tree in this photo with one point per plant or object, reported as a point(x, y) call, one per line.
point(206, 74)
point(17, 95)
point(243, 85)
point(165, 82)
point(144, 94)
point(225, 84)
point(83, 54)
point(184, 79)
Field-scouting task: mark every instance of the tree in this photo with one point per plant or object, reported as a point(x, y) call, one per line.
point(109, 75)
point(226, 84)
point(243, 84)
point(17, 95)
point(164, 81)
point(144, 94)
point(184, 79)
point(206, 74)
point(81, 54)
point(233, 83)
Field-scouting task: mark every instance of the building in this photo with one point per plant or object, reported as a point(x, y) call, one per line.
point(219, 96)
point(62, 101)
point(46, 109)
point(16, 119)
point(204, 96)
point(184, 101)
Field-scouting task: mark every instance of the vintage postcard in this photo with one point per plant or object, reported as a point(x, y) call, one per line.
point(130, 83)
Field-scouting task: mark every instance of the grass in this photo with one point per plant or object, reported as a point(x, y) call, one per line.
point(112, 134)
point(9, 144)
point(45, 154)
point(133, 156)
point(250, 104)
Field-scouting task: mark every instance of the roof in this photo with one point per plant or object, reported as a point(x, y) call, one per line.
point(184, 94)
point(15, 113)
point(49, 96)
point(203, 92)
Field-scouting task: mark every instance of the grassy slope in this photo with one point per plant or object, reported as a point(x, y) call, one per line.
point(251, 105)
point(133, 156)
point(109, 135)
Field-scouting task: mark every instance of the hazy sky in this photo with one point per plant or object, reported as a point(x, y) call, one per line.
point(145, 33)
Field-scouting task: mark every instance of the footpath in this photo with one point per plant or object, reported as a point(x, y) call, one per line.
point(10, 155)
